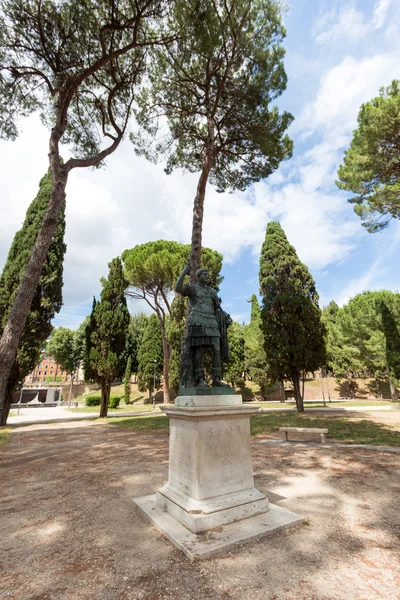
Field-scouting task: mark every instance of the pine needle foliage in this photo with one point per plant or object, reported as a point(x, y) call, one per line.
point(209, 106)
point(371, 165)
point(392, 339)
point(290, 315)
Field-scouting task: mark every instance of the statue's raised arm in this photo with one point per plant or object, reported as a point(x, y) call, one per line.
point(179, 283)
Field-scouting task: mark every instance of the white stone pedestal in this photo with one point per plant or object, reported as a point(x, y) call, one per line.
point(210, 481)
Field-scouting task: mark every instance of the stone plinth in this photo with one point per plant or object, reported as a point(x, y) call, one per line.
point(210, 468)
point(210, 481)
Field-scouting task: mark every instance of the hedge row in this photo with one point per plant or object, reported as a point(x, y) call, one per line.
point(95, 401)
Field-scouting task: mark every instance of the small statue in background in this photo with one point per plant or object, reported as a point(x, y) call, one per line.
point(206, 328)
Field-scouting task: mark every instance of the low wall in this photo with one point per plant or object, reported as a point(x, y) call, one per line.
point(78, 389)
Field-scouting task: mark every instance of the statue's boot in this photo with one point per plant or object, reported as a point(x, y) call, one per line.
point(202, 383)
point(216, 382)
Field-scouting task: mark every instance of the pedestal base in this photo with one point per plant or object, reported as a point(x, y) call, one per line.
point(227, 537)
point(210, 502)
point(200, 516)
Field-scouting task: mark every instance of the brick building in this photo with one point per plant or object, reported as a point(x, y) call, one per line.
point(47, 368)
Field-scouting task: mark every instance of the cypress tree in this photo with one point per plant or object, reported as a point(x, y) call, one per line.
point(392, 338)
point(106, 333)
point(290, 315)
point(256, 365)
point(150, 350)
point(48, 296)
point(234, 369)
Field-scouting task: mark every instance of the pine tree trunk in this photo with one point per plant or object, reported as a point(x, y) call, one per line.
point(392, 388)
point(198, 206)
point(105, 397)
point(297, 391)
point(21, 306)
point(282, 391)
point(9, 399)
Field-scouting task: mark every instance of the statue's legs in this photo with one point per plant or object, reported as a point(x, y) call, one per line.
point(216, 361)
point(198, 370)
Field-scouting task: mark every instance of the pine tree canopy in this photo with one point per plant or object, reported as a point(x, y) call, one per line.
point(361, 336)
point(48, 297)
point(392, 341)
point(215, 84)
point(371, 166)
point(153, 268)
point(64, 347)
point(291, 318)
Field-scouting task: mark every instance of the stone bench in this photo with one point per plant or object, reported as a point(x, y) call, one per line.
point(286, 430)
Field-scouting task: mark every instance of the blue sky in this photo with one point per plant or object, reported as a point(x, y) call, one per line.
point(339, 53)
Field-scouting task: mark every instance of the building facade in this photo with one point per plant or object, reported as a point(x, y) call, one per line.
point(46, 371)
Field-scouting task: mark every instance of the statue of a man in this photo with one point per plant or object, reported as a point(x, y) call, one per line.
point(207, 326)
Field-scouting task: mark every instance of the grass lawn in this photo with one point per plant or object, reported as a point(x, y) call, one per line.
point(121, 408)
point(160, 424)
point(4, 435)
point(349, 430)
point(345, 429)
point(333, 404)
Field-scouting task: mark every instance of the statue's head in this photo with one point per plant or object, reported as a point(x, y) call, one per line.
point(202, 276)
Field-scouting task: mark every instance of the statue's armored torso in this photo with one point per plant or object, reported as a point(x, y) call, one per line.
point(202, 323)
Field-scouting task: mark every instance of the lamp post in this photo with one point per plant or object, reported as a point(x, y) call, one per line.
point(154, 384)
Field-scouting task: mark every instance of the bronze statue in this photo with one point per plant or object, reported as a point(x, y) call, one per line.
point(206, 328)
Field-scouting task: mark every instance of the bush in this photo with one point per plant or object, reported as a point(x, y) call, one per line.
point(114, 401)
point(92, 401)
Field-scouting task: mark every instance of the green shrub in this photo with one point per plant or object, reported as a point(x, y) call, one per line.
point(114, 401)
point(92, 401)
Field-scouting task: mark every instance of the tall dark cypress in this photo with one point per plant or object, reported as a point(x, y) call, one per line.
point(290, 315)
point(106, 333)
point(48, 297)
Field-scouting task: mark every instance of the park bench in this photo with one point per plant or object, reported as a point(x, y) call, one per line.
point(286, 430)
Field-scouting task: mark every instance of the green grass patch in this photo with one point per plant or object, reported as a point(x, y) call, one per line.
point(343, 428)
point(144, 423)
point(4, 436)
point(121, 408)
point(333, 404)
point(346, 429)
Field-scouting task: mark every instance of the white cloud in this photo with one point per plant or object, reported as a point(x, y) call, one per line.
point(342, 91)
point(347, 23)
point(380, 13)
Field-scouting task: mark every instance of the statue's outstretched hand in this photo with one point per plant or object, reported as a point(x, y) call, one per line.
point(186, 269)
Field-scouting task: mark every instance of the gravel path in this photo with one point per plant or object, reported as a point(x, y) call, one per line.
point(70, 531)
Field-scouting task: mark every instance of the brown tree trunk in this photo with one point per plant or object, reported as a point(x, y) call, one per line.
point(198, 206)
point(297, 391)
point(282, 391)
point(392, 387)
point(105, 397)
point(26, 291)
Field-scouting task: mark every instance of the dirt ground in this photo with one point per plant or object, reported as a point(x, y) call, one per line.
point(69, 529)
